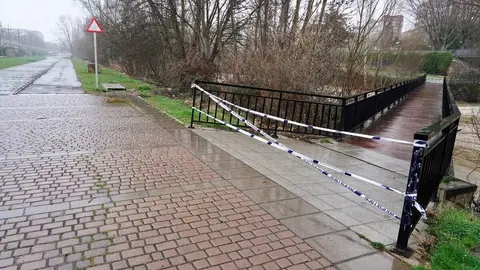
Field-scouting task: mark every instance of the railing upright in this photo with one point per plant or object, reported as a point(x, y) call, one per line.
point(193, 105)
point(428, 166)
point(407, 221)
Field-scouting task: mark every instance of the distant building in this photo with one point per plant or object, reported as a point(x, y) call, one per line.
point(387, 31)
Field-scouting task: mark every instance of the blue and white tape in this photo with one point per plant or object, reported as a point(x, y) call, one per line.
point(357, 192)
point(299, 155)
point(306, 158)
point(418, 143)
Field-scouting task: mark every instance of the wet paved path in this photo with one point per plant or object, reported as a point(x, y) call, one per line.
point(14, 78)
point(89, 184)
point(60, 79)
point(325, 214)
point(420, 109)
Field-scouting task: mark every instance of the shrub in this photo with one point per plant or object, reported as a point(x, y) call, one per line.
point(437, 62)
point(465, 86)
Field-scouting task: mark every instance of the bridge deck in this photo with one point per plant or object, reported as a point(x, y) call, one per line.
point(422, 108)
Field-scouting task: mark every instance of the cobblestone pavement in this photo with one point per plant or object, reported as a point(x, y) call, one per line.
point(11, 79)
point(89, 184)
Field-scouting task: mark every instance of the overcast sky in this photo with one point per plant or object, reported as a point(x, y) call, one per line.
point(40, 15)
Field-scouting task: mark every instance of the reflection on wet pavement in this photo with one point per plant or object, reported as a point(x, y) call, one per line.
point(420, 109)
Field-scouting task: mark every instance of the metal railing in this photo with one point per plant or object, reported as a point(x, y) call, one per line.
point(429, 165)
point(340, 113)
point(362, 107)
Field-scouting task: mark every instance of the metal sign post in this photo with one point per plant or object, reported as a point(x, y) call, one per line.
point(95, 28)
point(95, 53)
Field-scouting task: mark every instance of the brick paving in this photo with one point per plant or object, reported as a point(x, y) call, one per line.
point(85, 184)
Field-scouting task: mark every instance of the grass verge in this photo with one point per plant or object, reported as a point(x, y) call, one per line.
point(457, 235)
point(106, 76)
point(173, 107)
point(16, 61)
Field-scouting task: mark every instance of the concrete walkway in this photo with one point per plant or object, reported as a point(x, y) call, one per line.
point(419, 110)
point(326, 215)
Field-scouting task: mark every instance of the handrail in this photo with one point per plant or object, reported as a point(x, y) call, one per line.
point(326, 111)
point(428, 166)
point(267, 89)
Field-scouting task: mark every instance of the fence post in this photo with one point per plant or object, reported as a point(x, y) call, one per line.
point(193, 105)
point(278, 114)
point(354, 126)
point(342, 118)
point(407, 222)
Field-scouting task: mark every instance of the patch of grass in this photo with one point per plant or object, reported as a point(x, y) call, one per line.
point(447, 179)
point(91, 262)
point(363, 237)
point(457, 233)
point(378, 245)
point(16, 61)
point(325, 140)
point(144, 88)
point(117, 100)
point(106, 76)
point(173, 107)
point(101, 184)
point(145, 94)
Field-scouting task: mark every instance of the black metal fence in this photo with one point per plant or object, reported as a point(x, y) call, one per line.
point(341, 113)
point(365, 106)
point(429, 165)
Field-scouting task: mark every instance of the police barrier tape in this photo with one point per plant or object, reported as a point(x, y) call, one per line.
point(418, 143)
point(299, 155)
point(306, 158)
point(358, 193)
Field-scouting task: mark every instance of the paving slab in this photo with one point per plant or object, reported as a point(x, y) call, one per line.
point(313, 225)
point(371, 233)
point(375, 262)
point(314, 188)
point(341, 246)
point(253, 183)
point(288, 208)
point(269, 194)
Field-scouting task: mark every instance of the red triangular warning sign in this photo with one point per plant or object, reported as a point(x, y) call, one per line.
point(94, 26)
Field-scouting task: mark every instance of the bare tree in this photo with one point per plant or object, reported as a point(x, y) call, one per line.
point(68, 33)
point(372, 17)
point(473, 152)
point(266, 42)
point(446, 21)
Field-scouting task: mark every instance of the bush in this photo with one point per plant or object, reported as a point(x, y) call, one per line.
point(465, 86)
point(437, 62)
